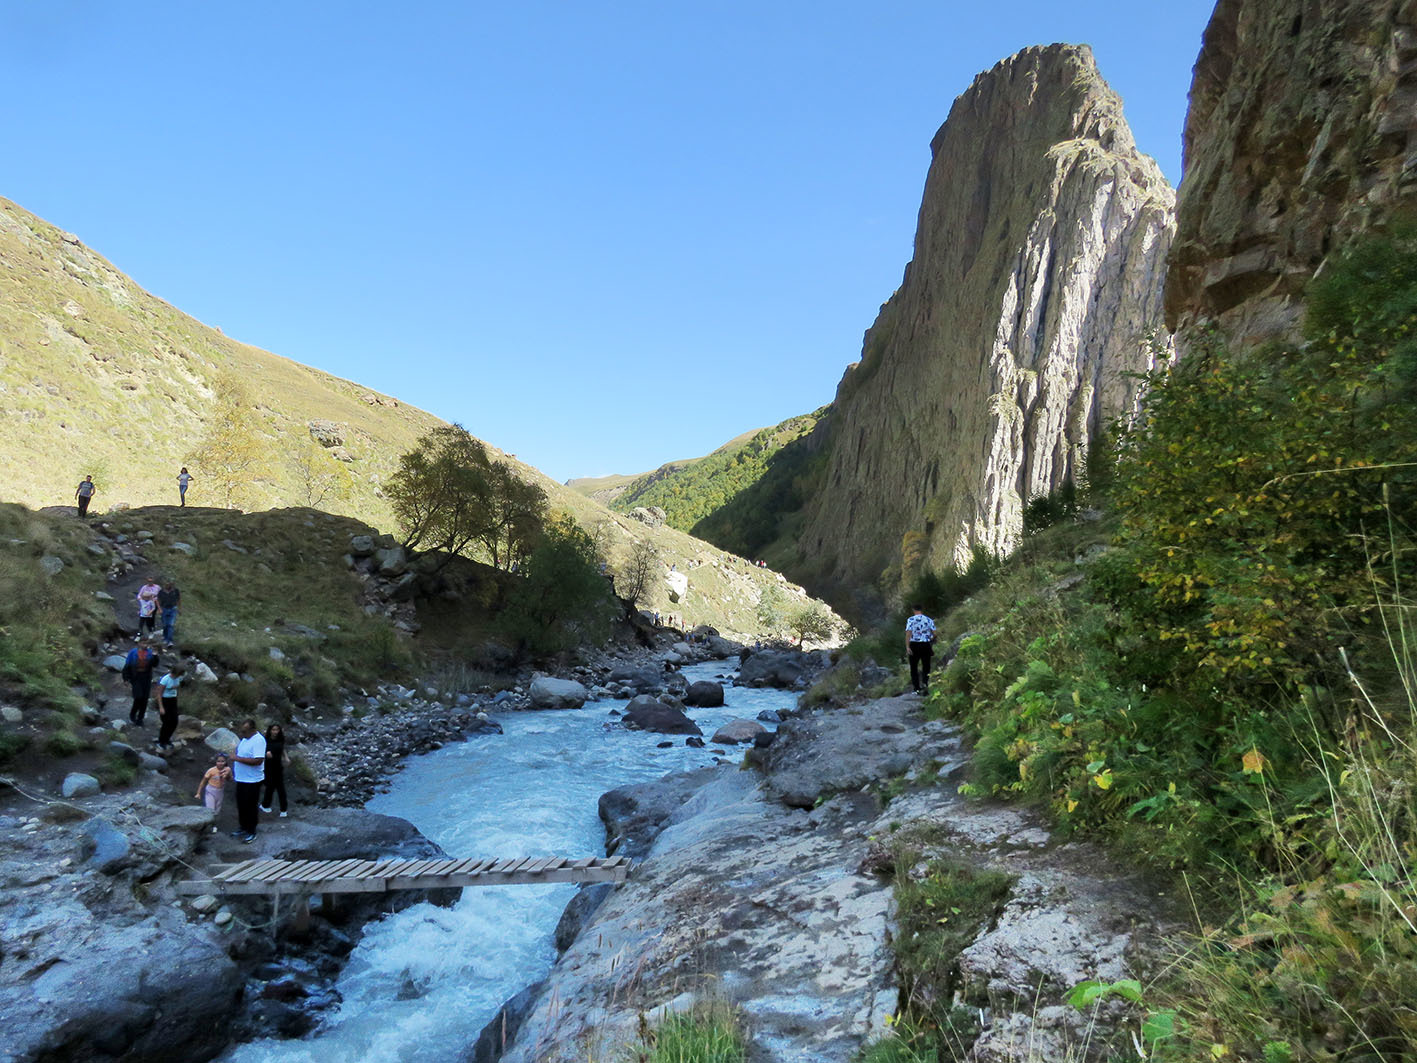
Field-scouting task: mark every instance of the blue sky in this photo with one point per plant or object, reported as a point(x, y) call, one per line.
point(600, 235)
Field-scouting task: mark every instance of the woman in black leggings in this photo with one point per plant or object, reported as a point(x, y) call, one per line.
point(275, 769)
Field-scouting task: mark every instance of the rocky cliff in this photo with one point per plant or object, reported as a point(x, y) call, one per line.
point(1302, 132)
point(1034, 289)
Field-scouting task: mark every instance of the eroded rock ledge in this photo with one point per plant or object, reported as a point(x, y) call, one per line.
point(749, 893)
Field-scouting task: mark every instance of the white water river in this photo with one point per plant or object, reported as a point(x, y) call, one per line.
point(423, 982)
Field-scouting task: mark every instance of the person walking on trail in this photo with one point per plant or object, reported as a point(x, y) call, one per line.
point(147, 608)
point(250, 772)
point(183, 479)
point(276, 759)
point(212, 788)
point(138, 668)
point(84, 493)
point(167, 705)
point(168, 599)
point(919, 647)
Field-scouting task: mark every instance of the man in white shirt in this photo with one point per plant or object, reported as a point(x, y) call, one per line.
point(919, 647)
point(249, 770)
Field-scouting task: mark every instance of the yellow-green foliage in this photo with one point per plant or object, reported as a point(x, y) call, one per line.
point(710, 1033)
point(690, 491)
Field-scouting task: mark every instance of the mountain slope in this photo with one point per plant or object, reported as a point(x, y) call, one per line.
point(99, 376)
point(689, 491)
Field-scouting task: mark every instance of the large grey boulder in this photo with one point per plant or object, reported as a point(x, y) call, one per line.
point(647, 713)
point(361, 545)
point(105, 847)
point(634, 815)
point(222, 740)
point(547, 692)
point(77, 784)
point(149, 992)
point(771, 668)
point(704, 694)
point(392, 561)
point(735, 731)
point(640, 680)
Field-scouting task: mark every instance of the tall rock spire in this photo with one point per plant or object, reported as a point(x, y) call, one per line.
point(1035, 289)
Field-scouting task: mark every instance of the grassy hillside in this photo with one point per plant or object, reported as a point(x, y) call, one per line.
point(98, 376)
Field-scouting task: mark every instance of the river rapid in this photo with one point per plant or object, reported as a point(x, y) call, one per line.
point(423, 982)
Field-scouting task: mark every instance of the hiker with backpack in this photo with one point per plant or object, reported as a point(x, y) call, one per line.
point(138, 668)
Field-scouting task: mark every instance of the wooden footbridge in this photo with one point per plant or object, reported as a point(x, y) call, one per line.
point(277, 877)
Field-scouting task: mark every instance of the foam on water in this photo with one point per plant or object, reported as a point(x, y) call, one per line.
point(423, 982)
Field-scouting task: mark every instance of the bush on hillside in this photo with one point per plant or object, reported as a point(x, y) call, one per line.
point(561, 600)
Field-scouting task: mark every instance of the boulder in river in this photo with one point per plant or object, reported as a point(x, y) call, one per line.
point(549, 693)
point(646, 713)
point(705, 694)
point(735, 731)
point(770, 668)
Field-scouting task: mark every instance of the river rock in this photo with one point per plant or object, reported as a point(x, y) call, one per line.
point(647, 713)
point(828, 752)
point(704, 694)
point(492, 1042)
point(114, 662)
point(222, 740)
point(202, 673)
point(105, 847)
point(578, 912)
point(735, 731)
point(361, 545)
point(77, 784)
point(770, 668)
point(392, 561)
point(634, 815)
point(639, 680)
point(550, 693)
point(148, 992)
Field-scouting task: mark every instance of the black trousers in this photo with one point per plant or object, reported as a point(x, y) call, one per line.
point(84, 504)
point(141, 689)
point(275, 785)
point(248, 806)
point(920, 654)
point(168, 712)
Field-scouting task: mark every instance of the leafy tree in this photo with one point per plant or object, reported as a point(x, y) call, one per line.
point(318, 476)
point(514, 512)
point(772, 608)
point(810, 621)
point(633, 583)
point(230, 453)
point(449, 496)
point(561, 599)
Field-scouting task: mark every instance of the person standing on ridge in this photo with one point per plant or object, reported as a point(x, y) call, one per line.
point(250, 773)
point(167, 600)
point(183, 479)
point(84, 493)
point(919, 647)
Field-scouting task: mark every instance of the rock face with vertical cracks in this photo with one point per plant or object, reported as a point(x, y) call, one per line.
point(1034, 290)
point(1302, 132)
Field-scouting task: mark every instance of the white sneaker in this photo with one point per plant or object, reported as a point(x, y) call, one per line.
point(284, 814)
point(266, 810)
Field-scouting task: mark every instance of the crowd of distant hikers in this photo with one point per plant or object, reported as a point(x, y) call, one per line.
point(84, 493)
point(259, 760)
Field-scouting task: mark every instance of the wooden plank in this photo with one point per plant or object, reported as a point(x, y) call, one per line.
point(253, 867)
point(321, 870)
point(233, 869)
point(442, 867)
point(461, 866)
point(485, 865)
point(584, 861)
point(339, 869)
point(271, 871)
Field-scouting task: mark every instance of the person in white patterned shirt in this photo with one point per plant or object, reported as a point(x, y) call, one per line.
point(919, 647)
